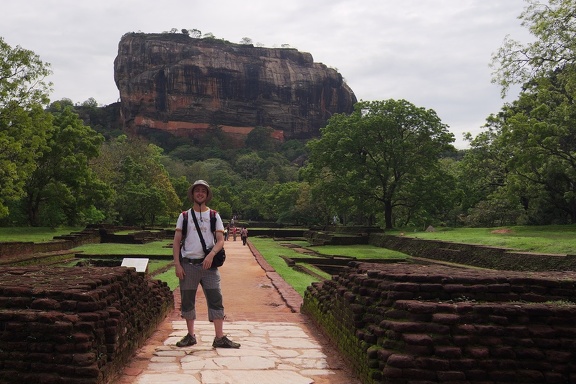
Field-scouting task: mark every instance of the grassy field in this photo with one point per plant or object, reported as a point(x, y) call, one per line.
point(34, 234)
point(357, 251)
point(153, 248)
point(560, 239)
point(272, 251)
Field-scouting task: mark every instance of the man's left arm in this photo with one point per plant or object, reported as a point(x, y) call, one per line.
point(207, 263)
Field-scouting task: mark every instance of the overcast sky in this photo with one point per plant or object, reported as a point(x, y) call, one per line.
point(433, 53)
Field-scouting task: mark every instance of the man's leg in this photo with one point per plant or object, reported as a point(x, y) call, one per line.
point(213, 294)
point(190, 326)
point(219, 328)
point(188, 289)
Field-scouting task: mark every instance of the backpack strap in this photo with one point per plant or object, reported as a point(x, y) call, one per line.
point(213, 220)
point(184, 225)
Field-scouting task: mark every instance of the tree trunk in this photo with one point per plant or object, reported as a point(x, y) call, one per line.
point(388, 214)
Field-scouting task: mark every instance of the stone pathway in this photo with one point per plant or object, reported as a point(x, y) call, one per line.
point(279, 344)
point(271, 352)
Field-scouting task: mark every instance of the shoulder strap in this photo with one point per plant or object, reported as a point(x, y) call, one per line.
point(199, 233)
point(184, 224)
point(184, 227)
point(212, 220)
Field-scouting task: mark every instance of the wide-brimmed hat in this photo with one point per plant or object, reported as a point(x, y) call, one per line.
point(197, 183)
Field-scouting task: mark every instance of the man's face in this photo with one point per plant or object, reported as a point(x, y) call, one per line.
point(200, 194)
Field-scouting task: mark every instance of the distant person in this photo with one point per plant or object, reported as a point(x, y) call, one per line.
point(234, 232)
point(226, 232)
point(193, 267)
point(244, 235)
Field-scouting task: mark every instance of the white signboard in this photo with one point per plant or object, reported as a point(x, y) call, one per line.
point(141, 265)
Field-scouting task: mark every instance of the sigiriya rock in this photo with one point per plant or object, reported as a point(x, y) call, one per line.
point(186, 85)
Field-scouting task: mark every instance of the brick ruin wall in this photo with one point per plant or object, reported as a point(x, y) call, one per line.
point(422, 324)
point(75, 325)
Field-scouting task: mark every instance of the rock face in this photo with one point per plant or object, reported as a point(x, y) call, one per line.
point(186, 86)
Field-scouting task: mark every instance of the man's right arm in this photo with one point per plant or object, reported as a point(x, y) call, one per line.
point(176, 253)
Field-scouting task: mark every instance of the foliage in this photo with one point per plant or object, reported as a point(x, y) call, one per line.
point(143, 190)
point(260, 139)
point(523, 168)
point(24, 132)
point(62, 185)
point(22, 77)
point(373, 157)
point(554, 27)
point(24, 126)
point(530, 151)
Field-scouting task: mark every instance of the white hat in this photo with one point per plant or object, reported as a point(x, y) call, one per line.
point(197, 183)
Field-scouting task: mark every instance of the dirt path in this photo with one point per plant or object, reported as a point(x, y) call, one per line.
point(252, 292)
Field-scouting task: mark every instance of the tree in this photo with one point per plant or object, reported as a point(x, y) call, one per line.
point(24, 125)
point(281, 202)
point(260, 139)
point(535, 134)
point(143, 191)
point(374, 153)
point(539, 132)
point(63, 185)
point(249, 166)
point(22, 77)
point(554, 27)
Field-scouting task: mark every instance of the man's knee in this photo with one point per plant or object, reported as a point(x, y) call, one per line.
point(214, 299)
point(188, 300)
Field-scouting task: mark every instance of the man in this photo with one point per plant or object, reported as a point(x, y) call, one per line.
point(244, 235)
point(194, 268)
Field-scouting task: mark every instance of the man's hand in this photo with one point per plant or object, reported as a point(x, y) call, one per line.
point(179, 271)
point(207, 263)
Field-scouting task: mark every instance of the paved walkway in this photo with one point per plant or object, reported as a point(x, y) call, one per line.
point(279, 344)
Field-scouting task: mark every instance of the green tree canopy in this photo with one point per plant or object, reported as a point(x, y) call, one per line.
point(375, 153)
point(24, 125)
point(553, 26)
point(62, 185)
point(143, 189)
point(22, 77)
point(537, 136)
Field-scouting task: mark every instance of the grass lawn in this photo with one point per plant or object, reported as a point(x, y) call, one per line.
point(169, 277)
point(557, 239)
point(34, 234)
point(271, 251)
point(159, 247)
point(358, 251)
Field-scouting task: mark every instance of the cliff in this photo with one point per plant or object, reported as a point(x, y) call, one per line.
point(185, 86)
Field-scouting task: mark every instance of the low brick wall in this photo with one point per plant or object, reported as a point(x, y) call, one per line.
point(75, 325)
point(18, 248)
point(408, 324)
